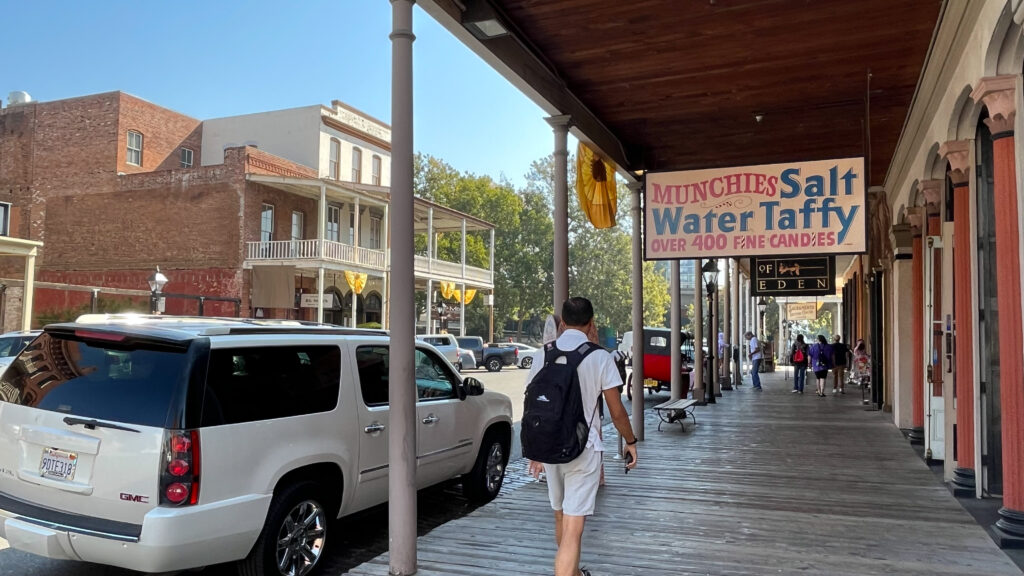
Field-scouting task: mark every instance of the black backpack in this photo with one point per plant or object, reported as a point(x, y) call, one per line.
point(554, 426)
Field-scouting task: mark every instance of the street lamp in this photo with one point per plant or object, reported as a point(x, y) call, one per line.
point(157, 280)
point(442, 317)
point(710, 273)
point(762, 304)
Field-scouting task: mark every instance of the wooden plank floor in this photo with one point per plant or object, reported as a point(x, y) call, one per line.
point(767, 483)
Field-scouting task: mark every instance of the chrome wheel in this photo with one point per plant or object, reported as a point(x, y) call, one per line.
point(300, 541)
point(495, 470)
point(527, 362)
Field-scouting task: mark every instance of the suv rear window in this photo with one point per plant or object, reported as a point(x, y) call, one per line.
point(127, 382)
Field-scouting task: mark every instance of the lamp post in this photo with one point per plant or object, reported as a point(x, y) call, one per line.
point(710, 273)
point(157, 280)
point(762, 305)
point(442, 317)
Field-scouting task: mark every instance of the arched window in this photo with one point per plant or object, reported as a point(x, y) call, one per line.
point(335, 160)
point(375, 175)
point(373, 302)
point(357, 164)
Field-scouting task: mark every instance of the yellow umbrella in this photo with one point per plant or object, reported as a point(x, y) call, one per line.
point(595, 187)
point(356, 281)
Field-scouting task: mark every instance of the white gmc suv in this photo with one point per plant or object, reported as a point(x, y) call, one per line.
point(162, 443)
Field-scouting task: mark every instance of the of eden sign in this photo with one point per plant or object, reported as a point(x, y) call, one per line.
point(774, 209)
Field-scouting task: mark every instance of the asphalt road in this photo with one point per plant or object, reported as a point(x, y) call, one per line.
point(357, 538)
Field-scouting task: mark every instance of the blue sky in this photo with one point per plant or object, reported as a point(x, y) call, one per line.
point(213, 59)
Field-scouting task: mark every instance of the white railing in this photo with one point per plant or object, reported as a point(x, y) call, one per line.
point(427, 266)
point(311, 250)
point(365, 257)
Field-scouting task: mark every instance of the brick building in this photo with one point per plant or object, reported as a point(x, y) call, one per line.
point(115, 186)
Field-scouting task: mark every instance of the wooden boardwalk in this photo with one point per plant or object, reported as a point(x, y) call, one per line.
point(766, 483)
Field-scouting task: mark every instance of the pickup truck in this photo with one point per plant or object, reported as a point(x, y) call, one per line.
point(445, 344)
point(491, 357)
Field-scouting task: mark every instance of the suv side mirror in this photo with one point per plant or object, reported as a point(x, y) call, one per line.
point(472, 387)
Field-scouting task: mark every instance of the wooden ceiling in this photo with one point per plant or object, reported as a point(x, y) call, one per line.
point(678, 82)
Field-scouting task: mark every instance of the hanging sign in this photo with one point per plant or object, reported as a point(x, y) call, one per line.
point(312, 301)
point(793, 276)
point(794, 208)
point(797, 311)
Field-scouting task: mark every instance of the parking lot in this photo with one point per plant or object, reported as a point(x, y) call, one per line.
point(360, 537)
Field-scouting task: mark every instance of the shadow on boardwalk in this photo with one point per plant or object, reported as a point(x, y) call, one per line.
point(766, 483)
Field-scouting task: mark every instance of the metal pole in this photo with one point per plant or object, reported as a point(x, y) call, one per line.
point(560, 125)
point(402, 397)
point(675, 339)
point(637, 407)
point(699, 392)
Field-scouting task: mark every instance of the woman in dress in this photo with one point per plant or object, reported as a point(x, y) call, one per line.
point(821, 361)
point(861, 362)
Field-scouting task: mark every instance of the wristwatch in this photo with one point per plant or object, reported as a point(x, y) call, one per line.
point(633, 443)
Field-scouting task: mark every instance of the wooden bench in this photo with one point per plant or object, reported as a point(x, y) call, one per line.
point(676, 411)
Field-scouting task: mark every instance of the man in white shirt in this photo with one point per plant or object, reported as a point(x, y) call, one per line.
point(754, 349)
point(572, 487)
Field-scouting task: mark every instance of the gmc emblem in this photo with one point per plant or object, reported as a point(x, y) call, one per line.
point(134, 498)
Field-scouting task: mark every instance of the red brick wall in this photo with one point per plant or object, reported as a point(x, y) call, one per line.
point(167, 218)
point(164, 133)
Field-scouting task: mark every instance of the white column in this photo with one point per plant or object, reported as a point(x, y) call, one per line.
point(560, 125)
point(386, 242)
point(430, 239)
point(322, 220)
point(462, 308)
point(463, 247)
point(737, 338)
point(492, 258)
point(727, 327)
point(29, 291)
point(402, 396)
point(675, 326)
point(637, 407)
point(320, 294)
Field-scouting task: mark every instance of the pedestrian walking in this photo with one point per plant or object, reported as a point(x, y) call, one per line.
point(840, 360)
point(580, 372)
point(821, 361)
point(861, 362)
point(798, 358)
point(754, 353)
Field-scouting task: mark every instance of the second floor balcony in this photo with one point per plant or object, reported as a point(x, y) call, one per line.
point(327, 251)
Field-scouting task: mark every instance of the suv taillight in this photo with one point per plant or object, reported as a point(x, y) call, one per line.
point(179, 474)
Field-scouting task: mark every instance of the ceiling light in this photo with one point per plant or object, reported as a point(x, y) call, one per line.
point(486, 29)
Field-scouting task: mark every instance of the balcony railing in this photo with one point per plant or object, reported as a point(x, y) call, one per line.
point(366, 257)
point(453, 270)
point(317, 250)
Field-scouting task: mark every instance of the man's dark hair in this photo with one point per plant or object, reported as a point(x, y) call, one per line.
point(577, 311)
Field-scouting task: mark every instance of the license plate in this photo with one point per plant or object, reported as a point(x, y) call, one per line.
point(650, 383)
point(58, 464)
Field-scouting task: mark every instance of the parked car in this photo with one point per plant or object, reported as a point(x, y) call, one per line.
point(525, 352)
point(657, 359)
point(445, 344)
point(491, 357)
point(169, 443)
point(13, 342)
point(467, 359)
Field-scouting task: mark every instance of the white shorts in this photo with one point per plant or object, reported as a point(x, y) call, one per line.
point(572, 487)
